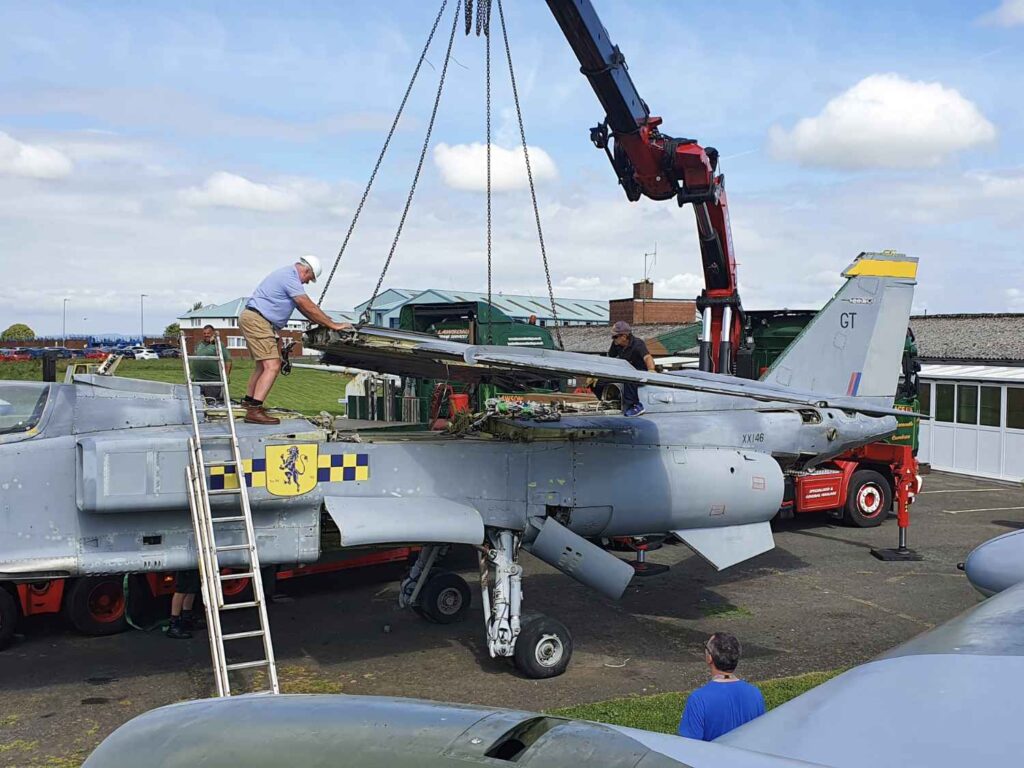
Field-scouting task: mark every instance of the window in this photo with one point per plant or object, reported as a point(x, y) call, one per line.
point(925, 396)
point(1015, 408)
point(991, 405)
point(944, 402)
point(966, 404)
point(195, 322)
point(393, 322)
point(236, 342)
point(21, 406)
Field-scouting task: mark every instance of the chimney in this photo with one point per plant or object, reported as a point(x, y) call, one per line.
point(643, 290)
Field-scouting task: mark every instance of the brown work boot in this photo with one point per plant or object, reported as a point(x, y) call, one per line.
point(255, 414)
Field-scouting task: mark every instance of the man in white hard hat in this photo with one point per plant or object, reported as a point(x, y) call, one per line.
point(266, 312)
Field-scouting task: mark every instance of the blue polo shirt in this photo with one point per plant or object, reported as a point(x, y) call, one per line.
point(716, 708)
point(274, 298)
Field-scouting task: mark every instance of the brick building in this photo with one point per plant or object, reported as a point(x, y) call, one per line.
point(644, 309)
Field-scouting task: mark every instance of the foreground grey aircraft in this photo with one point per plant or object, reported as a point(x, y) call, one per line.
point(92, 473)
point(947, 699)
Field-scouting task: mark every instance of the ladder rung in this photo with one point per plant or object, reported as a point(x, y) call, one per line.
point(214, 437)
point(222, 463)
point(232, 547)
point(237, 606)
point(247, 665)
point(203, 357)
point(224, 491)
point(232, 576)
point(242, 635)
point(232, 519)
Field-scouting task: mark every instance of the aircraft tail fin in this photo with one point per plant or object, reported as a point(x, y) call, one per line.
point(854, 345)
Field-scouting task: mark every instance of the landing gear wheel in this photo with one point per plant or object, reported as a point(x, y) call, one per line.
point(444, 599)
point(868, 499)
point(94, 605)
point(543, 648)
point(8, 617)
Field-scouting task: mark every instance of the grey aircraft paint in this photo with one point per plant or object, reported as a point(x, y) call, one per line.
point(92, 481)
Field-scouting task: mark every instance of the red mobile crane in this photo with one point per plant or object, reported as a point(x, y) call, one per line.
point(650, 163)
point(860, 485)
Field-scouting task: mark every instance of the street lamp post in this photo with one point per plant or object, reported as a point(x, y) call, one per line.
point(142, 319)
point(64, 324)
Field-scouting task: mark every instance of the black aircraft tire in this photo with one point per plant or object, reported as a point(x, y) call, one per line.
point(868, 499)
point(94, 605)
point(444, 599)
point(8, 617)
point(543, 648)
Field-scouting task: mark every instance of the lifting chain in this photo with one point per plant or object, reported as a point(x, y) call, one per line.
point(529, 175)
point(384, 149)
point(365, 317)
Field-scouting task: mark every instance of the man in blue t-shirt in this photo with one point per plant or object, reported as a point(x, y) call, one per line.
point(726, 702)
point(266, 312)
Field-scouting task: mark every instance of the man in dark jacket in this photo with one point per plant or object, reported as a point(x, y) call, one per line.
point(628, 347)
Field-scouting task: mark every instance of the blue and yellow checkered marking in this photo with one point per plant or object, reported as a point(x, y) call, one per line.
point(331, 468)
point(342, 467)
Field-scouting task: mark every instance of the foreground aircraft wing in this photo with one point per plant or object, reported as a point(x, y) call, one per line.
point(946, 699)
point(407, 353)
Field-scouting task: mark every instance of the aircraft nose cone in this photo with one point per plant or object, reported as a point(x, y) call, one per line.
point(997, 564)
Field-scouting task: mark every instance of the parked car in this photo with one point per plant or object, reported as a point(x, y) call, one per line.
point(61, 352)
point(168, 352)
point(143, 353)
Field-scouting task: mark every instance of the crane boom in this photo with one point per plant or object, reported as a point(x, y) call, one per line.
point(650, 163)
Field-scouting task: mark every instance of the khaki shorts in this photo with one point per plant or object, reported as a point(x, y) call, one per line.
point(259, 336)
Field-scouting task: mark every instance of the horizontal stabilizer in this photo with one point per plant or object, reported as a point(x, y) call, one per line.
point(726, 546)
point(415, 520)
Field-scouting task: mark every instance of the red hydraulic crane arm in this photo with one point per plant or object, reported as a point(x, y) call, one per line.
point(651, 164)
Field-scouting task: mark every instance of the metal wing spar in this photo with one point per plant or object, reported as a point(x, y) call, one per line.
point(404, 352)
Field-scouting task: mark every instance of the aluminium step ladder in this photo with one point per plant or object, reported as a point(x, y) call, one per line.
point(221, 533)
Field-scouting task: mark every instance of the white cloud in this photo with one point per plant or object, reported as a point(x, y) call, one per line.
point(1015, 299)
point(35, 161)
point(227, 190)
point(885, 121)
point(464, 166)
point(1010, 13)
point(684, 285)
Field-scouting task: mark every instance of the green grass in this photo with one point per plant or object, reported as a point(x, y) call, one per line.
point(305, 391)
point(723, 610)
point(661, 712)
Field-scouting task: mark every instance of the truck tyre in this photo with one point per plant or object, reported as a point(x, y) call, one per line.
point(543, 648)
point(94, 605)
point(868, 499)
point(444, 599)
point(8, 617)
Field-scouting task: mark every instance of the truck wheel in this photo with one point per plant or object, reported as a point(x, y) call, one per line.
point(8, 617)
point(543, 648)
point(94, 605)
point(444, 599)
point(868, 499)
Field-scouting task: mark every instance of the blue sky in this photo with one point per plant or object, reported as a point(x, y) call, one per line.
point(184, 151)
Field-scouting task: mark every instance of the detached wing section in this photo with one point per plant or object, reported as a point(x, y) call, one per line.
point(416, 354)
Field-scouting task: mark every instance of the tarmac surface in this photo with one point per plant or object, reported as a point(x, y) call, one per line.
point(818, 601)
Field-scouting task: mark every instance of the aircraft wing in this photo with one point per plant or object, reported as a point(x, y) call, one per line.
point(417, 354)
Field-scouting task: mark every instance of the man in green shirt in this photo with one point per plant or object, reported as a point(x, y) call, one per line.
point(206, 373)
point(207, 370)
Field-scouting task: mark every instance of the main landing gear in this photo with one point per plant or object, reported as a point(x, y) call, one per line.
point(540, 645)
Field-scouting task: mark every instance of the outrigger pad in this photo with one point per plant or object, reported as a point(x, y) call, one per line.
point(896, 555)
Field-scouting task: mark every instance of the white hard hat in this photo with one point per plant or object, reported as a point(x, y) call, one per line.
point(313, 263)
